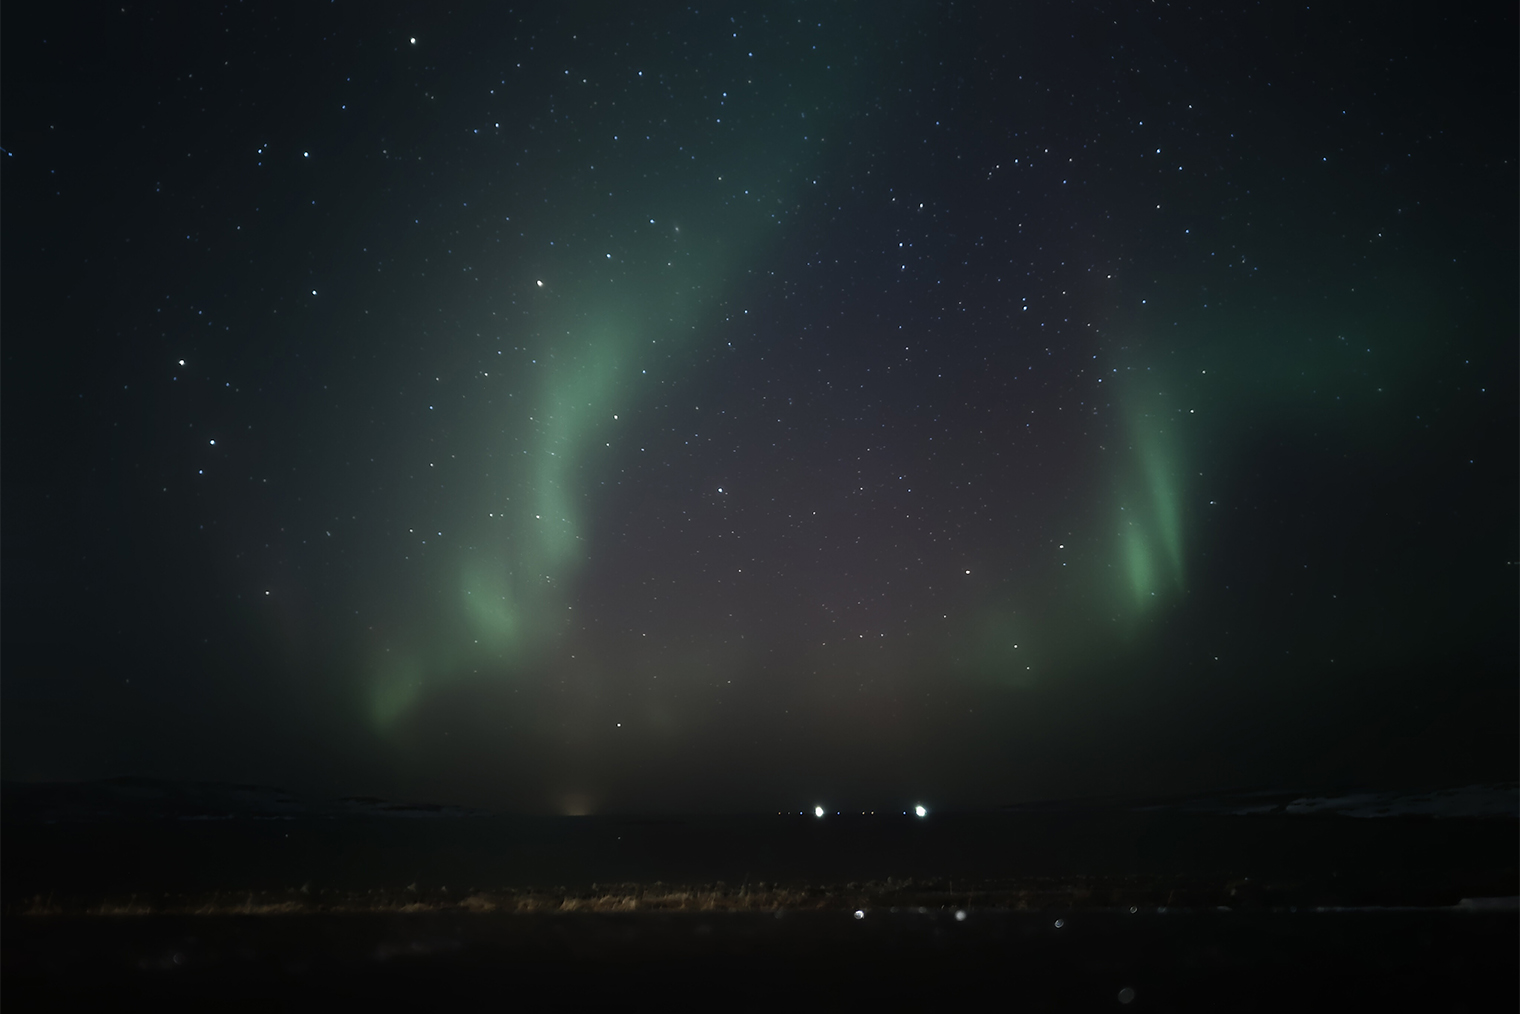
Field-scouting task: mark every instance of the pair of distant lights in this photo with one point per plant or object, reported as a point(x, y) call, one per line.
point(918, 811)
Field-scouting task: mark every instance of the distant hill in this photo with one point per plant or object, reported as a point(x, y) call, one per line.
point(130, 798)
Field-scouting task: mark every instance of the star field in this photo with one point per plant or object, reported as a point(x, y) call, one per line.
point(713, 406)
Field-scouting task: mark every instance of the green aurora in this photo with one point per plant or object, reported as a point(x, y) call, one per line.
point(609, 319)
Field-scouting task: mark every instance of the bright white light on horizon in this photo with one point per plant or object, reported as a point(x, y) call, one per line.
point(818, 811)
point(919, 809)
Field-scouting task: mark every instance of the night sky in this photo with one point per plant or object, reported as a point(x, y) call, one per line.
point(608, 407)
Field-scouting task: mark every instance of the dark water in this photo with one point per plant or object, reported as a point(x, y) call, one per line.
point(1194, 960)
point(154, 897)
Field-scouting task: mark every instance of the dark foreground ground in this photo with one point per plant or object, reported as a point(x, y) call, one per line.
point(139, 896)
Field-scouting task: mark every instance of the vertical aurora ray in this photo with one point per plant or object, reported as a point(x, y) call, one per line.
point(1150, 543)
point(573, 409)
point(528, 537)
point(1023, 640)
point(619, 307)
point(514, 591)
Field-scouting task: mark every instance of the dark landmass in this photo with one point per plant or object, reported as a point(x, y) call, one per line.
point(157, 893)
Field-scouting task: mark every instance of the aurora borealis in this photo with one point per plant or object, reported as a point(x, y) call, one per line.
point(609, 407)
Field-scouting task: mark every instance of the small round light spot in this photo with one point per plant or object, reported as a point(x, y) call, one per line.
point(920, 810)
point(860, 913)
point(1060, 923)
point(960, 915)
point(818, 811)
point(1126, 995)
